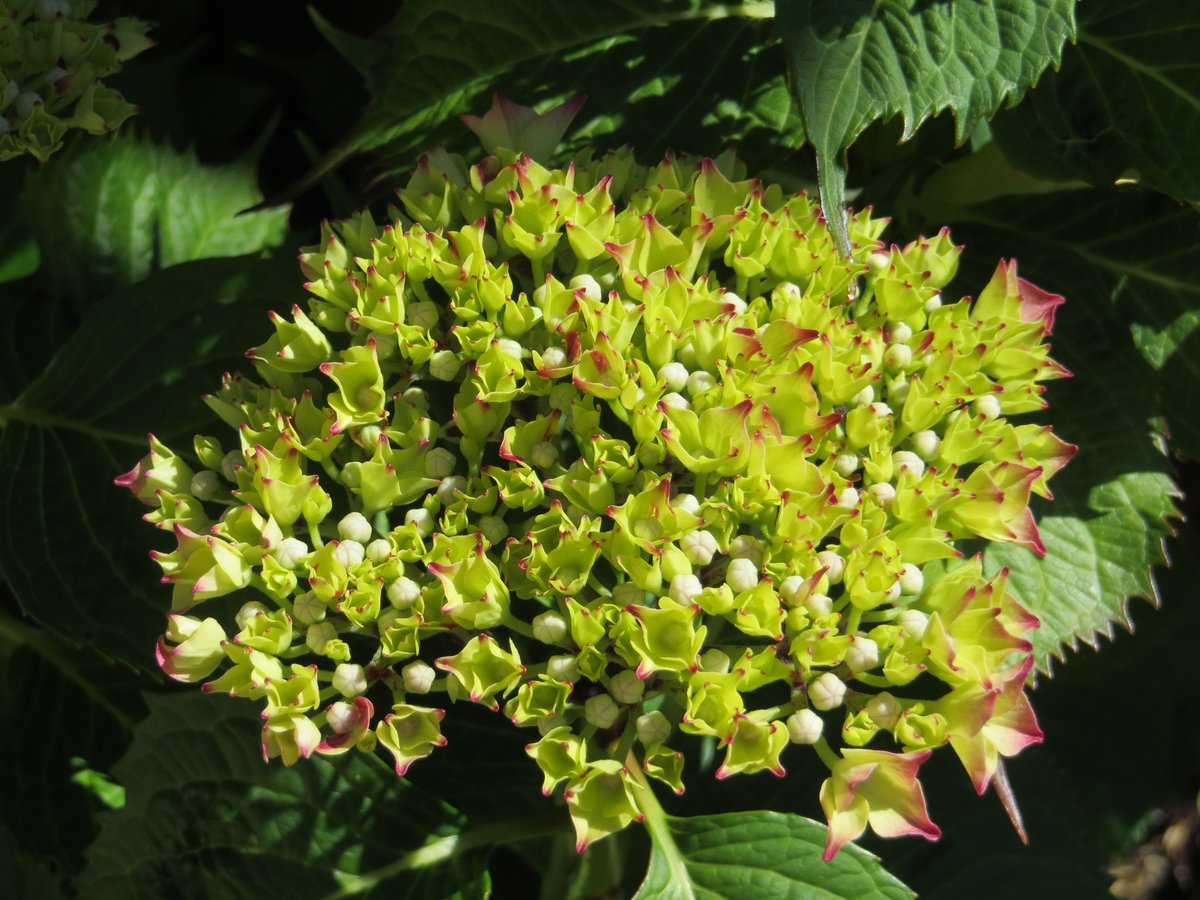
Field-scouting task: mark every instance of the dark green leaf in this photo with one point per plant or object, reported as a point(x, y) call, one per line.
point(206, 817)
point(760, 854)
point(107, 214)
point(72, 545)
point(1127, 101)
point(687, 73)
point(856, 61)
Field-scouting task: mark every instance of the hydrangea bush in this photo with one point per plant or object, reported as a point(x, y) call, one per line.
point(51, 65)
point(630, 455)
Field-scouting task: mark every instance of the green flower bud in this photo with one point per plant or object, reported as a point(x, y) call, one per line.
point(884, 710)
point(627, 688)
point(550, 628)
point(601, 711)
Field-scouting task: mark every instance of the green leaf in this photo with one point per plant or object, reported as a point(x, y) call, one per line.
point(72, 545)
point(856, 61)
point(107, 214)
point(1126, 101)
point(205, 816)
point(1106, 526)
point(688, 73)
point(759, 854)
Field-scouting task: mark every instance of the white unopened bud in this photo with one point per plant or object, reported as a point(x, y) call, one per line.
point(444, 365)
point(290, 552)
point(249, 611)
point(589, 285)
point(230, 463)
point(699, 382)
point(884, 710)
point(342, 717)
point(550, 627)
point(926, 444)
point(746, 546)
point(832, 562)
point(848, 498)
point(350, 679)
point(791, 590)
point(440, 462)
point(898, 390)
point(205, 485)
point(319, 635)
point(804, 727)
point(685, 588)
point(699, 547)
point(933, 303)
point(563, 668)
point(846, 464)
point(904, 460)
point(369, 435)
point(881, 410)
point(349, 553)
point(686, 503)
point(403, 592)
point(892, 594)
point(543, 455)
point(912, 581)
point(914, 622)
point(675, 375)
point(863, 397)
point(378, 550)
point(626, 687)
point(826, 692)
point(50, 9)
point(423, 315)
point(897, 356)
point(653, 728)
point(731, 299)
point(742, 574)
point(308, 608)
point(5, 127)
point(418, 677)
point(509, 347)
point(554, 358)
point(714, 660)
point(863, 654)
point(450, 488)
point(987, 406)
point(494, 529)
point(25, 103)
point(900, 333)
point(422, 518)
point(601, 711)
point(675, 401)
point(55, 74)
point(354, 527)
point(819, 604)
point(879, 260)
point(883, 494)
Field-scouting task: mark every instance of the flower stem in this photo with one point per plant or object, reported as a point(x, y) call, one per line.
point(660, 831)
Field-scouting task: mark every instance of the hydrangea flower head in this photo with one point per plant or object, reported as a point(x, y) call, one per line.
point(627, 455)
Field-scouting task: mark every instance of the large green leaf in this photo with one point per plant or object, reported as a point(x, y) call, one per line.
point(856, 61)
point(759, 854)
point(693, 74)
point(206, 817)
point(1127, 100)
point(108, 213)
point(72, 545)
point(1106, 526)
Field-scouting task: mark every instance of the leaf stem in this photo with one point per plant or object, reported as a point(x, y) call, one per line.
point(14, 412)
point(436, 852)
point(660, 831)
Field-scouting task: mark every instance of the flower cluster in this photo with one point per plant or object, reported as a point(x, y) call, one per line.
point(629, 454)
point(51, 65)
